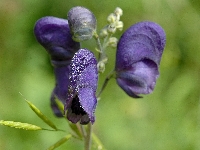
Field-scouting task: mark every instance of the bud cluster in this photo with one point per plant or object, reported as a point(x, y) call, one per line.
point(106, 33)
point(114, 23)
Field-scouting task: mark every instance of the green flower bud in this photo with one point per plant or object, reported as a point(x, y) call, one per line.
point(82, 23)
point(112, 42)
point(111, 28)
point(119, 25)
point(118, 11)
point(111, 18)
point(103, 33)
point(101, 67)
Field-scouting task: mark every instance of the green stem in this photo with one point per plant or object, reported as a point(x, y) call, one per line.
point(102, 58)
point(83, 131)
point(88, 137)
point(105, 42)
point(100, 48)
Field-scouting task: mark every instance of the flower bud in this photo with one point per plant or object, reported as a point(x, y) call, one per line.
point(101, 67)
point(119, 25)
point(139, 52)
point(112, 42)
point(111, 28)
point(118, 11)
point(103, 32)
point(112, 18)
point(82, 23)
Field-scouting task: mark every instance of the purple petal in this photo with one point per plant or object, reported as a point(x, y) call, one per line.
point(81, 60)
point(61, 89)
point(89, 77)
point(62, 82)
point(83, 83)
point(140, 79)
point(88, 102)
point(144, 40)
point(54, 35)
point(138, 57)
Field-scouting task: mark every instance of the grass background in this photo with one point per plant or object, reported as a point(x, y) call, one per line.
point(169, 118)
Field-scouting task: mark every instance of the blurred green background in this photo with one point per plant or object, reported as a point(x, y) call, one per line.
point(169, 118)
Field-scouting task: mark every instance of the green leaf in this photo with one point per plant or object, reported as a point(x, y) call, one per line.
point(60, 142)
point(60, 105)
point(20, 125)
point(41, 115)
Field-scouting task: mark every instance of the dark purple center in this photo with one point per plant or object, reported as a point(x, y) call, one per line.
point(76, 107)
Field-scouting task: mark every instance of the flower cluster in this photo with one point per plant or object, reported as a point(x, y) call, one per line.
point(138, 56)
point(73, 67)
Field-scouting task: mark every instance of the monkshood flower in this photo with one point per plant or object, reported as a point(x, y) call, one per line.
point(54, 35)
point(81, 100)
point(82, 23)
point(138, 57)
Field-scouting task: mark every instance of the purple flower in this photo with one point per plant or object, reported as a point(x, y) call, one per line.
point(138, 57)
point(54, 35)
point(81, 101)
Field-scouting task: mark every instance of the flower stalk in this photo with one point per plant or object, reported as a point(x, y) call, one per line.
point(88, 137)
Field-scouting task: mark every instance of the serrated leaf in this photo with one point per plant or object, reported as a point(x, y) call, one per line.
point(60, 142)
point(20, 125)
point(41, 115)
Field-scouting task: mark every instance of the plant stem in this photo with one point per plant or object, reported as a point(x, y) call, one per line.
point(102, 58)
point(88, 137)
point(100, 48)
point(83, 132)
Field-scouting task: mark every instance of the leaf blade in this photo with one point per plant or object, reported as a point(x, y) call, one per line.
point(60, 142)
point(20, 125)
point(41, 115)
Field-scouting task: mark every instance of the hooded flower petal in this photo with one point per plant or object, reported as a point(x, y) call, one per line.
point(54, 35)
point(138, 57)
point(81, 101)
point(61, 89)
